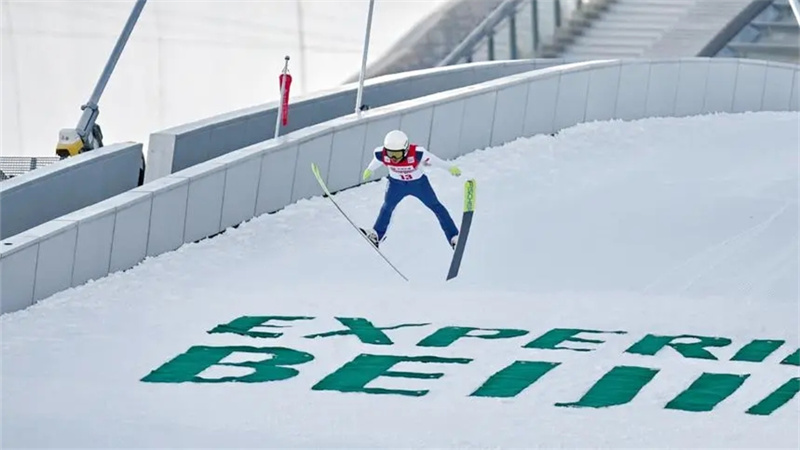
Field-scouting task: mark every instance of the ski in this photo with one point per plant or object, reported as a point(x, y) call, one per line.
point(324, 187)
point(466, 222)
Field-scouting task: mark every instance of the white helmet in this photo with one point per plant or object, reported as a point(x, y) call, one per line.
point(396, 140)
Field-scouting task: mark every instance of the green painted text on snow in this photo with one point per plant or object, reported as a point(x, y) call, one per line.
point(425, 357)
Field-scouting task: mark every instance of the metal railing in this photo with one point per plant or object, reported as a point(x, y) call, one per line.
point(425, 44)
point(12, 166)
point(517, 29)
point(770, 32)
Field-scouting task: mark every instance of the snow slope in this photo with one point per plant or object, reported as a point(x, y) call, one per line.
point(185, 60)
point(599, 259)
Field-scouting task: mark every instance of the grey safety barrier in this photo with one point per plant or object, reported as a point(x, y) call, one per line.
point(44, 194)
point(183, 146)
point(207, 198)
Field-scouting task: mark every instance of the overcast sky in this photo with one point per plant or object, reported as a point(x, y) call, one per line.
point(186, 60)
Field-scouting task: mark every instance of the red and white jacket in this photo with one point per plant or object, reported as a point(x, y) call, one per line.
point(409, 169)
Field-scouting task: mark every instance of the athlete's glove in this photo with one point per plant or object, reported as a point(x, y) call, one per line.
point(455, 171)
point(367, 174)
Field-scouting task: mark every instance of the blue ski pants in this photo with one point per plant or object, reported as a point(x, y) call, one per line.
point(421, 188)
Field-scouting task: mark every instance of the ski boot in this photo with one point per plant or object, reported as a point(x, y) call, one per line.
point(371, 235)
point(454, 242)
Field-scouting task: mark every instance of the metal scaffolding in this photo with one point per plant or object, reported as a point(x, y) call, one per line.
point(431, 41)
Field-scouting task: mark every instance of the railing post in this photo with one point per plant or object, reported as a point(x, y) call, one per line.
point(557, 12)
point(795, 10)
point(362, 75)
point(512, 39)
point(301, 38)
point(535, 25)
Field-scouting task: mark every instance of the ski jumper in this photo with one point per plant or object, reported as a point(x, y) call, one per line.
point(407, 177)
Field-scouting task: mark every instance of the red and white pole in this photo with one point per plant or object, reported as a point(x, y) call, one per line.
point(285, 83)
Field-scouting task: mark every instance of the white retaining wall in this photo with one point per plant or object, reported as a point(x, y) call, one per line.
point(207, 198)
point(44, 194)
point(183, 146)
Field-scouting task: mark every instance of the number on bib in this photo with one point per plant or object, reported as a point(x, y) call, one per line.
point(406, 176)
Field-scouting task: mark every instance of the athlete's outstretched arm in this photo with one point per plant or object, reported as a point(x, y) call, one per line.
point(374, 164)
point(429, 159)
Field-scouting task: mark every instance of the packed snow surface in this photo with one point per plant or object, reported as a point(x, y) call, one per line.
point(625, 284)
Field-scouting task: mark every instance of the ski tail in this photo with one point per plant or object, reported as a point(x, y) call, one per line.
point(469, 196)
point(318, 176)
point(466, 223)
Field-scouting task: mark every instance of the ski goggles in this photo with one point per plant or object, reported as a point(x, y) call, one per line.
point(395, 154)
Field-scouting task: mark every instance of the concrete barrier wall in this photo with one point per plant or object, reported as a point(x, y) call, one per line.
point(184, 146)
point(44, 194)
point(207, 198)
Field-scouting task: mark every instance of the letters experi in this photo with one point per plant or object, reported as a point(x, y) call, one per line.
point(618, 386)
